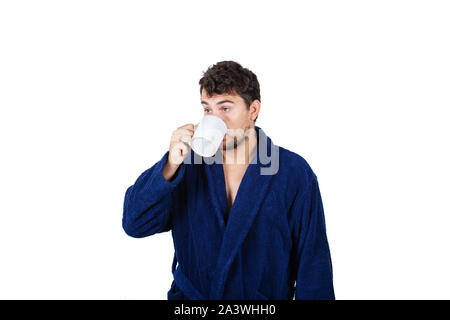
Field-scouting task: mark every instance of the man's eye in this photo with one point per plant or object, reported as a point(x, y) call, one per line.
point(226, 108)
point(206, 110)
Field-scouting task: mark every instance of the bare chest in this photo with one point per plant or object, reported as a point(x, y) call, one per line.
point(233, 178)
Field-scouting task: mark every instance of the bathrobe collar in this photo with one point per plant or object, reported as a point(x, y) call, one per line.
point(252, 190)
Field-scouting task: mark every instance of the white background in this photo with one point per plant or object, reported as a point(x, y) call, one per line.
point(90, 92)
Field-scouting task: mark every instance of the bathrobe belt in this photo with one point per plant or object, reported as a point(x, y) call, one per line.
point(184, 284)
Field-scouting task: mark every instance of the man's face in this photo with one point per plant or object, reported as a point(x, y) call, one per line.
point(233, 111)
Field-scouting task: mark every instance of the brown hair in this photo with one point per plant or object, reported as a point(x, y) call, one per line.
point(231, 78)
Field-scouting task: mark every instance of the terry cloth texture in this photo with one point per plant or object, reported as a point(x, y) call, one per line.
point(272, 245)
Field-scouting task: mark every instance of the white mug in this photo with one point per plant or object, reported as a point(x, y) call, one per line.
point(208, 136)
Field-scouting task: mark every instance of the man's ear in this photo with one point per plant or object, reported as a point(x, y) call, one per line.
point(255, 107)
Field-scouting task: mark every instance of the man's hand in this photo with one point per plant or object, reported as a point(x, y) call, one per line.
point(178, 149)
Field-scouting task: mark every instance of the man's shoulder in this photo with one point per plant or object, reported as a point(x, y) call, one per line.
point(296, 166)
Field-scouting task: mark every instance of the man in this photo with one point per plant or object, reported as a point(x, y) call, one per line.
point(238, 232)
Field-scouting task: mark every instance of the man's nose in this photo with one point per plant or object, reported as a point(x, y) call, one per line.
point(214, 113)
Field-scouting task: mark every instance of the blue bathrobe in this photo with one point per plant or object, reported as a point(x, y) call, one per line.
point(272, 244)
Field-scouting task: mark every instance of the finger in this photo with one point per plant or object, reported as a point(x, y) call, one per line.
point(187, 126)
point(182, 137)
point(177, 135)
point(183, 148)
point(184, 131)
point(185, 138)
point(179, 151)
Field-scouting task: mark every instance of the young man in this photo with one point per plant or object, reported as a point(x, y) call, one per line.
point(241, 229)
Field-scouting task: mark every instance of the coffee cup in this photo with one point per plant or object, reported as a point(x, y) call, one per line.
point(208, 136)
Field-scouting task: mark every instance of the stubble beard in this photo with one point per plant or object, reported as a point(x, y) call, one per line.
point(237, 141)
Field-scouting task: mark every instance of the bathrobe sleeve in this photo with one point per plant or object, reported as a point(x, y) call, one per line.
point(149, 202)
point(314, 278)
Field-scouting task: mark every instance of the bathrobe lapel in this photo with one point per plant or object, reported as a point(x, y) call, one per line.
point(214, 174)
point(251, 192)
